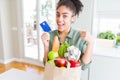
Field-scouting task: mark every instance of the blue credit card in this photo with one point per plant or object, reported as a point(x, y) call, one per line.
point(44, 25)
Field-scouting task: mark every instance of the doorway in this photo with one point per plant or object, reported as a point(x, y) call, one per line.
point(30, 29)
point(34, 13)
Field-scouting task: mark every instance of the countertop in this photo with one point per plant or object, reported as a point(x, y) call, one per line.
point(107, 51)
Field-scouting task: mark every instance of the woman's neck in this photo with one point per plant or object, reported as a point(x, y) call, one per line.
point(65, 33)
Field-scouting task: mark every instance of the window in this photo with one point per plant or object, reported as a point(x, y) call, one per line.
point(108, 23)
point(106, 17)
point(112, 24)
point(35, 12)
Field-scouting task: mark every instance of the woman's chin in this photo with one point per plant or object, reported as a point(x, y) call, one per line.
point(60, 29)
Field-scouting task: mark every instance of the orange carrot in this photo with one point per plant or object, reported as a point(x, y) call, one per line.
point(56, 45)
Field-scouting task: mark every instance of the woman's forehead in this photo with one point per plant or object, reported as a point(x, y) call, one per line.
point(64, 10)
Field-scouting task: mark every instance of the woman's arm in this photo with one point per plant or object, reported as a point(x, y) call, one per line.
point(45, 39)
point(87, 57)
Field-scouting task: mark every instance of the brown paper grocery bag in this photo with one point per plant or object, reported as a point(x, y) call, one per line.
point(55, 73)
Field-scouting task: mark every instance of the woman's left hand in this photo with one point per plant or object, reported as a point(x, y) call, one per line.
point(86, 36)
point(87, 57)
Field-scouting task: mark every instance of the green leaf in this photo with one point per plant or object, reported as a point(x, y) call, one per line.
point(107, 35)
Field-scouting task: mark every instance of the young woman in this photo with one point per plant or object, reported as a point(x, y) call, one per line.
point(66, 12)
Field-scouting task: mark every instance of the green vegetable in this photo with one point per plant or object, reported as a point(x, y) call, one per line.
point(118, 39)
point(63, 48)
point(107, 35)
point(102, 35)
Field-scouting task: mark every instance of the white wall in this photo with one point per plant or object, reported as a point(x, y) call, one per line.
point(85, 18)
point(5, 31)
point(1, 42)
point(15, 27)
point(10, 30)
point(108, 5)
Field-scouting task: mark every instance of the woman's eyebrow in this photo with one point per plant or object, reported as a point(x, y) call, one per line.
point(63, 13)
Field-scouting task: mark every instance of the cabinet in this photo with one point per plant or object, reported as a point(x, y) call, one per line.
point(105, 68)
point(85, 74)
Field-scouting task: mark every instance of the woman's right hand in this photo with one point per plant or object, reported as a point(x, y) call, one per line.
point(45, 38)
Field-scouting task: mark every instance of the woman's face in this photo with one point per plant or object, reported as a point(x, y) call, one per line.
point(64, 18)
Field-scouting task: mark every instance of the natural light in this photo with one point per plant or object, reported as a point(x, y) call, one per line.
point(109, 24)
point(34, 12)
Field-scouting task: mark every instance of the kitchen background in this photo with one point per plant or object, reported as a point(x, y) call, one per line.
point(20, 33)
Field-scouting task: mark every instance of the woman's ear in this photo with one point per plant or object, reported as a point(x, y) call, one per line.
point(73, 18)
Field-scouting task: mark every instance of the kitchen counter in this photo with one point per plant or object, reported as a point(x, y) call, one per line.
point(104, 51)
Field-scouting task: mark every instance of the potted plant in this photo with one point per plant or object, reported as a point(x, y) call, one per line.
point(106, 39)
point(118, 39)
point(107, 35)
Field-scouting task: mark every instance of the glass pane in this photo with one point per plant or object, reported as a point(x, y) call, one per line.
point(47, 13)
point(106, 18)
point(110, 24)
point(30, 29)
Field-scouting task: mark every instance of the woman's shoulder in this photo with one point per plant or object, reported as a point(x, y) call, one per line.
point(53, 32)
point(75, 32)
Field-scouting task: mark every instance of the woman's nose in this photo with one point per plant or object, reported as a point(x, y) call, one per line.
point(60, 18)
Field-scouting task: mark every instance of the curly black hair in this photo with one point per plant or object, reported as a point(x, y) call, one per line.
point(75, 5)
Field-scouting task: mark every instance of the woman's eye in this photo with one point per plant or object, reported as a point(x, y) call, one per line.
point(64, 16)
point(57, 15)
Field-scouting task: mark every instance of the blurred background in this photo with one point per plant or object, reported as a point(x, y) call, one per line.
point(20, 33)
